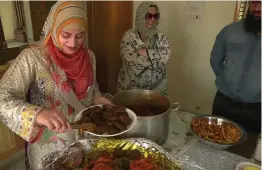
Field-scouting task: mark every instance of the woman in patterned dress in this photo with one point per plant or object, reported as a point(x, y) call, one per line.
point(58, 77)
point(145, 53)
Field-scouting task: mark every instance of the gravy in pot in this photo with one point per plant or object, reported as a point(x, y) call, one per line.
point(146, 109)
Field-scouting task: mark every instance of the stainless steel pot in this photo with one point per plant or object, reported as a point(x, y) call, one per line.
point(155, 127)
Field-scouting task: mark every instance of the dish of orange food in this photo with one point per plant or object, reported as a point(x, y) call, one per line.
point(105, 154)
point(119, 160)
point(214, 130)
point(103, 160)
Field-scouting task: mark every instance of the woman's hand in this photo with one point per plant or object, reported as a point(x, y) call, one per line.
point(102, 100)
point(53, 120)
point(142, 52)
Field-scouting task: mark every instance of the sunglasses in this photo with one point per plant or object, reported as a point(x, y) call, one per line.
point(149, 16)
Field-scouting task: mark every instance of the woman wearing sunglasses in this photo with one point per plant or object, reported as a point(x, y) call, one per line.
point(145, 52)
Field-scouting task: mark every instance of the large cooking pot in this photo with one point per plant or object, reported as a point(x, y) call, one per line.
point(153, 127)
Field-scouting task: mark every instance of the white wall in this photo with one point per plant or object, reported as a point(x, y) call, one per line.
point(191, 79)
point(7, 13)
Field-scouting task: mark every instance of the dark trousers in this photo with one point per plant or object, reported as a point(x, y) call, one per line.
point(248, 115)
point(27, 166)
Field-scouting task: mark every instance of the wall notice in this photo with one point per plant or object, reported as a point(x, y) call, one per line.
point(194, 11)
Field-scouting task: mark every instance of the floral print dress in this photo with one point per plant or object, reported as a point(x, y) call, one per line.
point(137, 71)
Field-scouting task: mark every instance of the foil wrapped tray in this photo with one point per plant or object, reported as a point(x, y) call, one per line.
point(146, 147)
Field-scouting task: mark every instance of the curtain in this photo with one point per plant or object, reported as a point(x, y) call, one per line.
point(2, 36)
point(241, 9)
point(19, 21)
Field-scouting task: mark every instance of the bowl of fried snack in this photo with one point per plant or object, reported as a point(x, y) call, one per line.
point(105, 120)
point(217, 132)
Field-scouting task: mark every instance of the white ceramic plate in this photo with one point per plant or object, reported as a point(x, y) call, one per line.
point(130, 113)
point(242, 165)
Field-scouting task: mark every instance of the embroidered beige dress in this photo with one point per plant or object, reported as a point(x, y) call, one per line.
point(34, 82)
point(31, 73)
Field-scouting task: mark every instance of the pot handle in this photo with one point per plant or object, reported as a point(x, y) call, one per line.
point(175, 106)
point(108, 96)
